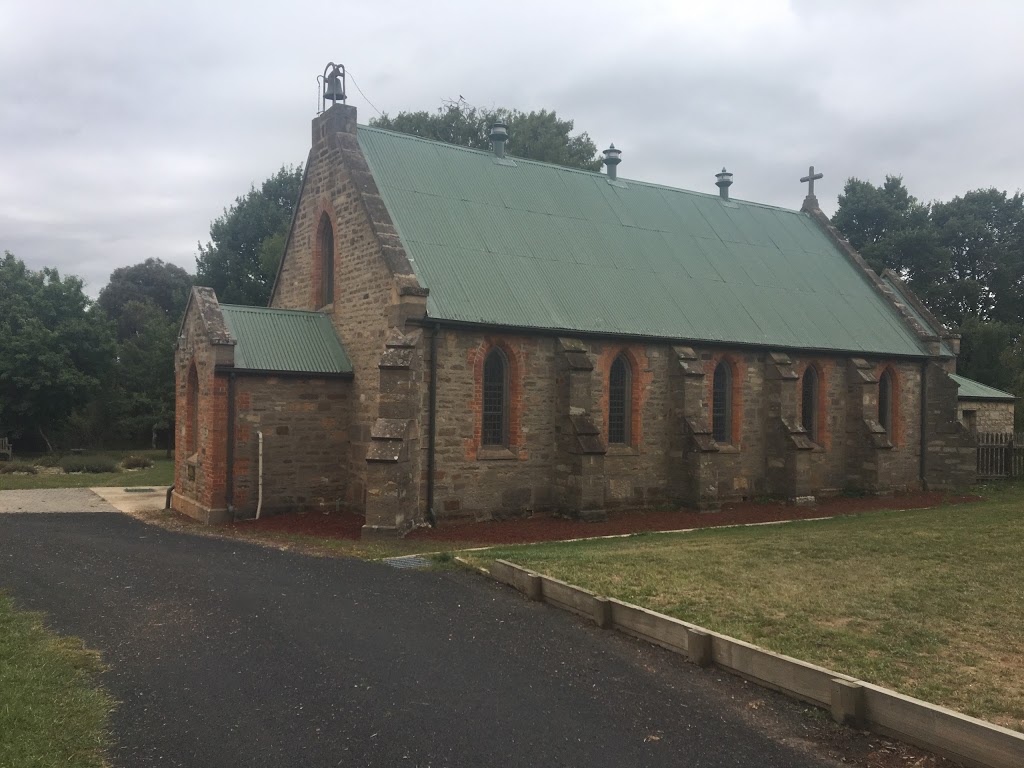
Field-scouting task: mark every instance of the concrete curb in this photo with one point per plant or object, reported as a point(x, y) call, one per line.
point(854, 702)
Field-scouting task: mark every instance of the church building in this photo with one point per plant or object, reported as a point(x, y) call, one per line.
point(459, 334)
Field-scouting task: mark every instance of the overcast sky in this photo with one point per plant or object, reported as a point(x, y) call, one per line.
point(126, 127)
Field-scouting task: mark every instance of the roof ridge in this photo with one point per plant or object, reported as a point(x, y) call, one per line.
point(583, 171)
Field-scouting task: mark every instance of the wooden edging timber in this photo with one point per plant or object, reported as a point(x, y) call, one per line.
point(854, 702)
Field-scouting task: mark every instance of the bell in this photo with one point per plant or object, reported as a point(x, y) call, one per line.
point(335, 90)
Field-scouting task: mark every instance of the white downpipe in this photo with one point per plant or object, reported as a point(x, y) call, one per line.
point(259, 497)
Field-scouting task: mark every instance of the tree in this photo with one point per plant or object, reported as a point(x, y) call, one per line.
point(153, 282)
point(892, 230)
point(247, 243)
point(55, 348)
point(983, 233)
point(145, 380)
point(534, 135)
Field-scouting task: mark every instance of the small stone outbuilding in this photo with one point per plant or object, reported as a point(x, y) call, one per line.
point(982, 408)
point(521, 337)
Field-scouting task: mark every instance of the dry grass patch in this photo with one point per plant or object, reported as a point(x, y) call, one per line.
point(929, 602)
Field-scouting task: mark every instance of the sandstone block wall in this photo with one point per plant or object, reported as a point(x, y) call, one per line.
point(306, 443)
point(987, 416)
point(477, 482)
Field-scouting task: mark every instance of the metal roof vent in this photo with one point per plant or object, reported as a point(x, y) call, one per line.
point(612, 157)
point(723, 183)
point(498, 137)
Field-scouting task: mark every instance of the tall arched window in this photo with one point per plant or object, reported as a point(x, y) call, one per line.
point(885, 402)
point(494, 429)
point(809, 403)
point(192, 410)
point(721, 404)
point(326, 261)
point(619, 401)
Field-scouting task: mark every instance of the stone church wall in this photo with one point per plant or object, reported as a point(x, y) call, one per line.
point(477, 483)
point(363, 285)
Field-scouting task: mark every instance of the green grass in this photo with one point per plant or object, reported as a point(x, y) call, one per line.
point(929, 602)
point(160, 474)
point(52, 713)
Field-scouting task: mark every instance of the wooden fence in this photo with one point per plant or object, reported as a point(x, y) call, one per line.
point(1000, 455)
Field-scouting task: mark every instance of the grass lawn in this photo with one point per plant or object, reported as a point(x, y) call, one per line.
point(928, 602)
point(160, 474)
point(52, 713)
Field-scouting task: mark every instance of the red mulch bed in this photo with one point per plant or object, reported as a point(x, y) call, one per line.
point(346, 525)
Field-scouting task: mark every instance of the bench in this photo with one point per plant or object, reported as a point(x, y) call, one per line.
point(6, 449)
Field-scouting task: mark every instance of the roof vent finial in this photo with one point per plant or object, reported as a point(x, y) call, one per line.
point(723, 183)
point(612, 157)
point(498, 137)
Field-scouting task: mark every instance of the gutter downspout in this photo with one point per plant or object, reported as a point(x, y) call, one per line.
point(432, 433)
point(259, 493)
point(229, 475)
point(924, 426)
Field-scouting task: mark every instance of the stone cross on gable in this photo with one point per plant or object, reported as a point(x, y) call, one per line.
point(809, 180)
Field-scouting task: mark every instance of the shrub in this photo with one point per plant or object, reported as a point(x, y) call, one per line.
point(91, 465)
point(98, 466)
point(49, 460)
point(136, 462)
point(10, 467)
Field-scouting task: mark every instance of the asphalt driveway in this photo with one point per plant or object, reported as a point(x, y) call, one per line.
point(229, 654)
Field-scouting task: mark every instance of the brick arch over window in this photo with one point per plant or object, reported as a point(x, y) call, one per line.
point(888, 403)
point(726, 399)
point(324, 259)
point(497, 403)
point(620, 400)
point(192, 410)
point(814, 403)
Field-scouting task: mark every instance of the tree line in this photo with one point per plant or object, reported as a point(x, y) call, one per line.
point(82, 373)
point(964, 258)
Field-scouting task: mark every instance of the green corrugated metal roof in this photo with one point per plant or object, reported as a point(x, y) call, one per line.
point(285, 340)
point(535, 245)
point(975, 390)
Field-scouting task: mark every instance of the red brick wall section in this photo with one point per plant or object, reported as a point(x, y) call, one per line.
point(306, 441)
point(199, 475)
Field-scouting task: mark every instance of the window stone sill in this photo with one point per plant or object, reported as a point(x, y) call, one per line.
point(622, 450)
point(496, 454)
point(727, 448)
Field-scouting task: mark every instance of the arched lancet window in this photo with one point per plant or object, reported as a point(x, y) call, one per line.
point(326, 261)
point(494, 429)
point(192, 411)
point(885, 402)
point(619, 401)
point(809, 403)
point(721, 404)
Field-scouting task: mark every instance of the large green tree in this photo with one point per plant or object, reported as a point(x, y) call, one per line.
point(535, 135)
point(892, 230)
point(56, 349)
point(152, 282)
point(247, 242)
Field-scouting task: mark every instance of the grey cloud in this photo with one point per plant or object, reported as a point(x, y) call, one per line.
point(126, 127)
